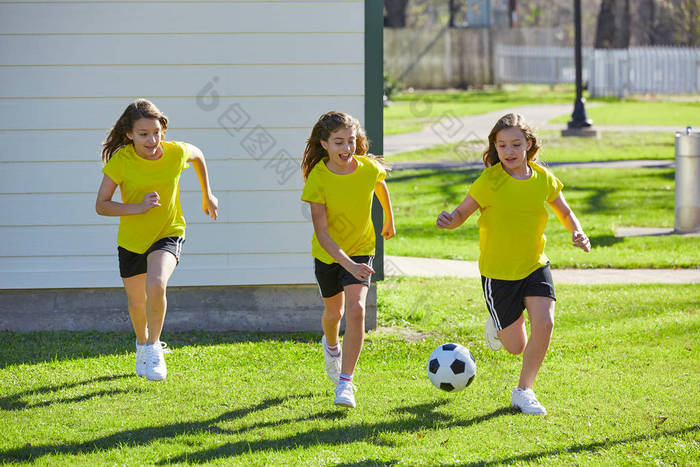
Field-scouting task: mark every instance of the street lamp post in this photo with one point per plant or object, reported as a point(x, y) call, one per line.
point(580, 124)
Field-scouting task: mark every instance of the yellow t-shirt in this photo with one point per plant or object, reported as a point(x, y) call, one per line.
point(137, 177)
point(348, 200)
point(512, 221)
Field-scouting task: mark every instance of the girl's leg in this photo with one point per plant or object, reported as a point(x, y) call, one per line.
point(135, 287)
point(541, 313)
point(330, 321)
point(332, 313)
point(356, 297)
point(161, 265)
point(514, 337)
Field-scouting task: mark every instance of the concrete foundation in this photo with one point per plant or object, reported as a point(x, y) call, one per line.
point(274, 308)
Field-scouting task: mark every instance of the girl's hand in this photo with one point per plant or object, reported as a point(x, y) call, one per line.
point(444, 220)
point(361, 271)
point(210, 206)
point(388, 230)
point(150, 201)
point(581, 240)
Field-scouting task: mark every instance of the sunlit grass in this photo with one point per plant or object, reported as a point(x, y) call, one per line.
point(612, 145)
point(619, 383)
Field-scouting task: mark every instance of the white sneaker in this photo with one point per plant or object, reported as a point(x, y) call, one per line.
point(140, 359)
point(155, 361)
point(491, 335)
point(345, 394)
point(525, 401)
point(332, 363)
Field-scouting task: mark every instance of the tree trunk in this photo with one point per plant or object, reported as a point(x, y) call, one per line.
point(642, 23)
point(622, 35)
point(395, 13)
point(690, 26)
point(605, 26)
point(613, 26)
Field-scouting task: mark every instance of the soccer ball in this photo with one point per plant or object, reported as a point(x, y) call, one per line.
point(451, 367)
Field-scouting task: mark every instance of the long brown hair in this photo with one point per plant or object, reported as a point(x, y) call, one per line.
point(117, 138)
point(490, 156)
point(327, 124)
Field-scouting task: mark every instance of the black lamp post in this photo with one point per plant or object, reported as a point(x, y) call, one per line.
point(578, 117)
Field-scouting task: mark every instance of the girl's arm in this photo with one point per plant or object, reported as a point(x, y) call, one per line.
point(361, 271)
point(210, 205)
point(382, 192)
point(466, 208)
point(106, 207)
point(568, 219)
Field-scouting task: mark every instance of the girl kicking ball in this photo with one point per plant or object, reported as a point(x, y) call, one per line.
point(510, 194)
point(340, 179)
point(151, 225)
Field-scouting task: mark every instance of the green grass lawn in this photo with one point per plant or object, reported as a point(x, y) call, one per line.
point(411, 112)
point(631, 112)
point(612, 145)
point(603, 199)
point(620, 384)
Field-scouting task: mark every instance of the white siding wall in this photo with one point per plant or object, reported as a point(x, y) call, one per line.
point(67, 71)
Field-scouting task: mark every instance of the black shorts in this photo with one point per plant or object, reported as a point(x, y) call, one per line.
point(332, 278)
point(132, 264)
point(506, 299)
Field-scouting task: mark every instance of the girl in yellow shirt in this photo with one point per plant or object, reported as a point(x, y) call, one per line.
point(510, 195)
point(151, 226)
point(340, 181)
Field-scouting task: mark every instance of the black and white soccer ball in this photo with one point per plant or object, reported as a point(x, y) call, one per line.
point(451, 367)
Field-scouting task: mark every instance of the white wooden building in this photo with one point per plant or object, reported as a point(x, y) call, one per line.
point(243, 80)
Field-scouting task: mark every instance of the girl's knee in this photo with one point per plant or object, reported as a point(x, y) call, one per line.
point(136, 303)
point(155, 286)
point(332, 313)
point(514, 337)
point(548, 324)
point(136, 299)
point(515, 348)
point(355, 312)
point(543, 325)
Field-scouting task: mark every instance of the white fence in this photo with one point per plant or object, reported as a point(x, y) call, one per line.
point(637, 70)
point(644, 70)
point(536, 64)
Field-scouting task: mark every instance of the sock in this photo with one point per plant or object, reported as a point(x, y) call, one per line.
point(344, 377)
point(333, 350)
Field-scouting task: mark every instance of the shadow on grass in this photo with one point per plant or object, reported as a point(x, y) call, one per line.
point(468, 175)
point(368, 462)
point(596, 200)
point(411, 419)
point(46, 346)
point(147, 435)
point(14, 401)
point(590, 447)
point(598, 241)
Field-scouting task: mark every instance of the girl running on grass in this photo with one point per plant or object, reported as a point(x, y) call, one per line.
point(340, 179)
point(151, 226)
point(510, 194)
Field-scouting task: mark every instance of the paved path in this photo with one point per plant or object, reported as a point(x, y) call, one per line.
point(427, 267)
point(449, 129)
